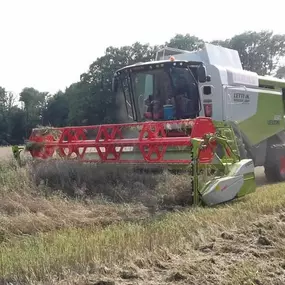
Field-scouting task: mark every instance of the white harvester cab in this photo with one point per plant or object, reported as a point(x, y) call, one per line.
point(232, 93)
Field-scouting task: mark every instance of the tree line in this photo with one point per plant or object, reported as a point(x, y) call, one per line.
point(90, 100)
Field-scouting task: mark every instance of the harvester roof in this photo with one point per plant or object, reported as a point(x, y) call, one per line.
point(210, 55)
point(157, 64)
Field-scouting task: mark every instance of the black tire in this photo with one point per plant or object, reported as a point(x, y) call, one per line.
point(274, 167)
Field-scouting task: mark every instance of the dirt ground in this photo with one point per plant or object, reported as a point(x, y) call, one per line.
point(252, 255)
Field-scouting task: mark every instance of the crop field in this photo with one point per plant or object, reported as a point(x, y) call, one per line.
point(62, 223)
point(5, 153)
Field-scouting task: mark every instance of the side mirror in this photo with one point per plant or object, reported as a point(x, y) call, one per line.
point(201, 72)
point(114, 84)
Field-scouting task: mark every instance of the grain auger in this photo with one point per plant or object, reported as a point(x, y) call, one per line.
point(205, 149)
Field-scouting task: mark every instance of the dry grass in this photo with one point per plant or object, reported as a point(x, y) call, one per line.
point(212, 246)
point(114, 183)
point(52, 233)
point(59, 201)
point(5, 153)
point(46, 196)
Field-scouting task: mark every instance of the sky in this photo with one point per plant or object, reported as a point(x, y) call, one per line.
point(47, 44)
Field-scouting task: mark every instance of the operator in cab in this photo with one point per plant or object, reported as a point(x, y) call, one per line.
point(184, 99)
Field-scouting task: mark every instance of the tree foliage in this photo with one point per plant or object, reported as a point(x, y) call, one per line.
point(280, 73)
point(185, 42)
point(102, 70)
point(259, 52)
point(91, 101)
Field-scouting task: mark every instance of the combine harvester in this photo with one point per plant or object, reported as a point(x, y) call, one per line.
point(195, 111)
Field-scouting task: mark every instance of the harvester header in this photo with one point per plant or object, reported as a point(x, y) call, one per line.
point(191, 145)
point(146, 142)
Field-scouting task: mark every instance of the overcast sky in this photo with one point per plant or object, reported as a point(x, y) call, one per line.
point(47, 44)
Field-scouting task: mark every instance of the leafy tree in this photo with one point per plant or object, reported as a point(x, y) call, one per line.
point(6, 104)
point(76, 95)
point(16, 125)
point(280, 73)
point(57, 110)
point(89, 104)
point(259, 52)
point(35, 104)
point(185, 42)
point(102, 70)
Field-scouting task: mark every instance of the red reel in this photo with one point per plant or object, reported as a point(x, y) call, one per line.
point(45, 151)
